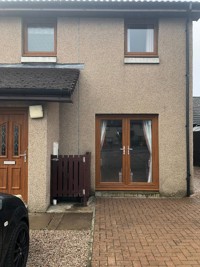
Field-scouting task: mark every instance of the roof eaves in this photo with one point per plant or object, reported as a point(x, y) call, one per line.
point(121, 1)
point(174, 8)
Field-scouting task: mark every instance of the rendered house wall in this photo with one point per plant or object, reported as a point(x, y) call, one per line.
point(107, 86)
point(10, 45)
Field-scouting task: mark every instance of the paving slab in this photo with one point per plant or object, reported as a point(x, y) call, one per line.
point(55, 221)
point(60, 221)
point(75, 221)
point(39, 221)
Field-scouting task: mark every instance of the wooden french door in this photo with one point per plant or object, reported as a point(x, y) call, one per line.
point(13, 152)
point(127, 152)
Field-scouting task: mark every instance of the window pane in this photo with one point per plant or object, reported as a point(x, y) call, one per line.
point(140, 39)
point(140, 151)
point(111, 151)
point(40, 39)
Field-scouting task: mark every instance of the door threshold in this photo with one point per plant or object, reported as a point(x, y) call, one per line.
point(136, 194)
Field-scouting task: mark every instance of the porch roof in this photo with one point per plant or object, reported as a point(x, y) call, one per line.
point(41, 83)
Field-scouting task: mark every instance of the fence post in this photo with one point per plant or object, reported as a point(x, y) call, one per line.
point(84, 175)
point(88, 162)
point(54, 177)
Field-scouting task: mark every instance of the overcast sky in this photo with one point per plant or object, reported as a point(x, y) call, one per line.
point(196, 58)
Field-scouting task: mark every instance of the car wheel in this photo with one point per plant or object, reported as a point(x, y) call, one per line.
point(19, 246)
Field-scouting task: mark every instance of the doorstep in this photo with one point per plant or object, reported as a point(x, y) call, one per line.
point(136, 194)
point(72, 207)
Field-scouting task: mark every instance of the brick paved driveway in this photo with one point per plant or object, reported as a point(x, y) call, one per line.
point(147, 232)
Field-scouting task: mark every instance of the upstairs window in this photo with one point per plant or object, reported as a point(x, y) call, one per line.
point(39, 38)
point(141, 39)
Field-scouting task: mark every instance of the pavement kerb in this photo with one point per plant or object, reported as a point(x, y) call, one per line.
point(90, 250)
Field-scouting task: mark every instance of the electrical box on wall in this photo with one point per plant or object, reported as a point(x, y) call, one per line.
point(36, 112)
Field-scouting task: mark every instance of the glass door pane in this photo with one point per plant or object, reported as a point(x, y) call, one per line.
point(111, 151)
point(3, 139)
point(140, 151)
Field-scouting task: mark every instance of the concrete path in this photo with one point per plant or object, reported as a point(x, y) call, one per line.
point(60, 221)
point(147, 232)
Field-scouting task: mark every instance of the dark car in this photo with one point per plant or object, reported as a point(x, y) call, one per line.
point(14, 231)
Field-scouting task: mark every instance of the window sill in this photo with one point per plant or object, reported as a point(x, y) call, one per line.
point(38, 59)
point(141, 60)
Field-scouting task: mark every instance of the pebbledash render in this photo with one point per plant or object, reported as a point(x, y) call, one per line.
point(113, 78)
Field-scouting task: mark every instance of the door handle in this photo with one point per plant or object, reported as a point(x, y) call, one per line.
point(124, 150)
point(23, 155)
point(129, 149)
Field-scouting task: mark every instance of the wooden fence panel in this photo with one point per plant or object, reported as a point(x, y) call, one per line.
point(196, 148)
point(76, 176)
point(87, 173)
point(59, 179)
point(70, 176)
point(65, 176)
point(81, 175)
point(54, 173)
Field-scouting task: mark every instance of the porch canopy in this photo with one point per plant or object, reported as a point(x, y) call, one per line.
point(54, 82)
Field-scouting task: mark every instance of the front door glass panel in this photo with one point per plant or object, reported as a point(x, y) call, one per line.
point(16, 140)
point(3, 139)
point(140, 151)
point(111, 150)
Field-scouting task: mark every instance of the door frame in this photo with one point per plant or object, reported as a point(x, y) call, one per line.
point(137, 186)
point(20, 111)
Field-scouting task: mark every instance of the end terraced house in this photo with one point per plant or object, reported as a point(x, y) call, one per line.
point(109, 77)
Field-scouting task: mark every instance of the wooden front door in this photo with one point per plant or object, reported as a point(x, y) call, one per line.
point(127, 152)
point(13, 152)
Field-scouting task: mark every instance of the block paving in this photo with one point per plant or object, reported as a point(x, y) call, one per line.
point(146, 232)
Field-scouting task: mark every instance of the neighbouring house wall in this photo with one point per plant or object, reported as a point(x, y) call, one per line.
point(108, 86)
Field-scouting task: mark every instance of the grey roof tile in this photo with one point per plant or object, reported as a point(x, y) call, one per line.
point(37, 82)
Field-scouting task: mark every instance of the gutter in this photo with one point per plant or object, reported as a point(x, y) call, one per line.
point(90, 11)
point(97, 8)
point(188, 99)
